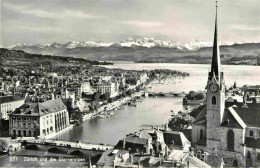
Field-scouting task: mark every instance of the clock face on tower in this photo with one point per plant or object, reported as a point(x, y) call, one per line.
point(213, 88)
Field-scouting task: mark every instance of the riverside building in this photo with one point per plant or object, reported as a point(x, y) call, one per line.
point(9, 104)
point(43, 119)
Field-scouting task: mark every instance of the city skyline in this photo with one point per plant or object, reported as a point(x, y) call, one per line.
point(41, 22)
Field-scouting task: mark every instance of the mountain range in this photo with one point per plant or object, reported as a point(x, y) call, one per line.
point(149, 50)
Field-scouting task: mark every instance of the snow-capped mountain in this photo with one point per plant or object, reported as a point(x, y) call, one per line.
point(130, 42)
point(145, 49)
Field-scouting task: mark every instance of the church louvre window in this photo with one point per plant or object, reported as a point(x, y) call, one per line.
point(213, 100)
point(248, 155)
point(251, 133)
point(201, 134)
point(230, 140)
point(258, 156)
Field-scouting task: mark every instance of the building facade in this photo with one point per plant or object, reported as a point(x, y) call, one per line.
point(39, 119)
point(108, 87)
point(8, 104)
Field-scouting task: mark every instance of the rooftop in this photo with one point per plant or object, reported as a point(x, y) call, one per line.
point(6, 99)
point(40, 109)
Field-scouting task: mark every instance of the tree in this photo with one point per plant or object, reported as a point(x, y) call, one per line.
point(96, 96)
point(105, 96)
point(131, 81)
point(77, 116)
point(180, 121)
point(130, 92)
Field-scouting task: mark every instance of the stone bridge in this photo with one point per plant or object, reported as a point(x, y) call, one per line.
point(176, 94)
point(65, 147)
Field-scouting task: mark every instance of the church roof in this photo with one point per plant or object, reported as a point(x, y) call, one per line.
point(197, 111)
point(250, 114)
point(215, 65)
point(235, 115)
point(200, 118)
point(232, 119)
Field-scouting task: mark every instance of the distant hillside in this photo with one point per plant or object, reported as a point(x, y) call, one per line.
point(16, 58)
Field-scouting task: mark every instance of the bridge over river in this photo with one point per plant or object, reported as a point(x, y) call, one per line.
point(74, 148)
point(175, 94)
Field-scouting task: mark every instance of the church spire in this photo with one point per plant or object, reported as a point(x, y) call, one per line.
point(215, 65)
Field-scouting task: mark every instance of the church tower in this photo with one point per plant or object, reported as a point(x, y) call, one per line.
point(215, 95)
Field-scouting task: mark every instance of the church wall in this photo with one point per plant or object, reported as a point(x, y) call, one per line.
point(239, 138)
point(196, 133)
point(255, 130)
point(252, 157)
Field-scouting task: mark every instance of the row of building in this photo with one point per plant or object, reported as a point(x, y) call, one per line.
point(156, 147)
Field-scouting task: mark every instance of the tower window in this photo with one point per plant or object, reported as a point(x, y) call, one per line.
point(230, 140)
point(251, 133)
point(201, 134)
point(248, 155)
point(213, 101)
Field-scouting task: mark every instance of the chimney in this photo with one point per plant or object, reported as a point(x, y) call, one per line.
point(166, 151)
point(157, 146)
point(89, 162)
point(191, 151)
point(188, 164)
point(153, 127)
point(131, 159)
point(204, 157)
point(114, 164)
point(166, 126)
point(199, 154)
point(244, 103)
point(158, 128)
point(123, 144)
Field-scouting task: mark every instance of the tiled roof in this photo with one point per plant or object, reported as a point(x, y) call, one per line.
point(108, 157)
point(40, 109)
point(252, 142)
point(154, 161)
point(133, 138)
point(178, 138)
point(6, 99)
point(195, 162)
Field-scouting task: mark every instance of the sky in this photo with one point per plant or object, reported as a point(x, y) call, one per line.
point(48, 21)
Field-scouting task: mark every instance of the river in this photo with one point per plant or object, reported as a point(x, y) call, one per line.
point(156, 111)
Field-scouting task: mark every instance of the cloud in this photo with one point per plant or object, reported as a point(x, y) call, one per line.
point(241, 27)
point(51, 13)
point(14, 25)
point(142, 24)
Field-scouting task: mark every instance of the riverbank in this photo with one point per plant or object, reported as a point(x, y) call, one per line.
point(113, 106)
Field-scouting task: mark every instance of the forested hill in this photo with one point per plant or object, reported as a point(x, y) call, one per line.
point(17, 59)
